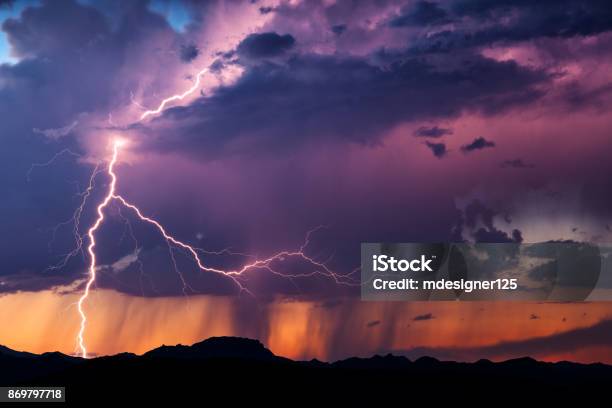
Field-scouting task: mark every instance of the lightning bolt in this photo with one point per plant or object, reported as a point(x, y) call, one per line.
point(92, 244)
point(237, 276)
point(178, 97)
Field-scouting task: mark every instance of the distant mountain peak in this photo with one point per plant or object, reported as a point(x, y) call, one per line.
point(217, 347)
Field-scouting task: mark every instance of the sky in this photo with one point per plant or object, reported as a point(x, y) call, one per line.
point(317, 125)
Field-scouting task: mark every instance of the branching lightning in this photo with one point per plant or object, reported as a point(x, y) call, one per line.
point(92, 244)
point(50, 161)
point(235, 275)
point(75, 220)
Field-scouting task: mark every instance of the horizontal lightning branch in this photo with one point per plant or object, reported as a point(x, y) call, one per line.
point(233, 274)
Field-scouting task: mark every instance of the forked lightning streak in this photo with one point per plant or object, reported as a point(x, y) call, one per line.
point(319, 268)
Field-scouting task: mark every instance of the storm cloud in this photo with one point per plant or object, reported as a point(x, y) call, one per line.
point(481, 23)
point(306, 124)
point(438, 149)
point(279, 105)
point(421, 13)
point(477, 144)
point(265, 45)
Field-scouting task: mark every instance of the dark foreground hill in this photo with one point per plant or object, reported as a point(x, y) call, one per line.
point(231, 370)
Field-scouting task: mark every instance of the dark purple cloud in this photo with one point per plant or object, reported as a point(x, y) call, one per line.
point(422, 13)
point(550, 18)
point(338, 29)
point(266, 9)
point(42, 32)
point(477, 144)
point(7, 3)
point(265, 45)
point(189, 52)
point(438, 149)
point(495, 235)
point(481, 23)
point(476, 223)
point(476, 212)
point(312, 98)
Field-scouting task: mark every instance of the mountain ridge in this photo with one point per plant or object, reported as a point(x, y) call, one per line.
point(224, 363)
point(247, 348)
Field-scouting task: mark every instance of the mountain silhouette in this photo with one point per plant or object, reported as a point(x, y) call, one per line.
point(235, 370)
point(216, 347)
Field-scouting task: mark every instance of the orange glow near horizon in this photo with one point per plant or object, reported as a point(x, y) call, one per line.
point(45, 321)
